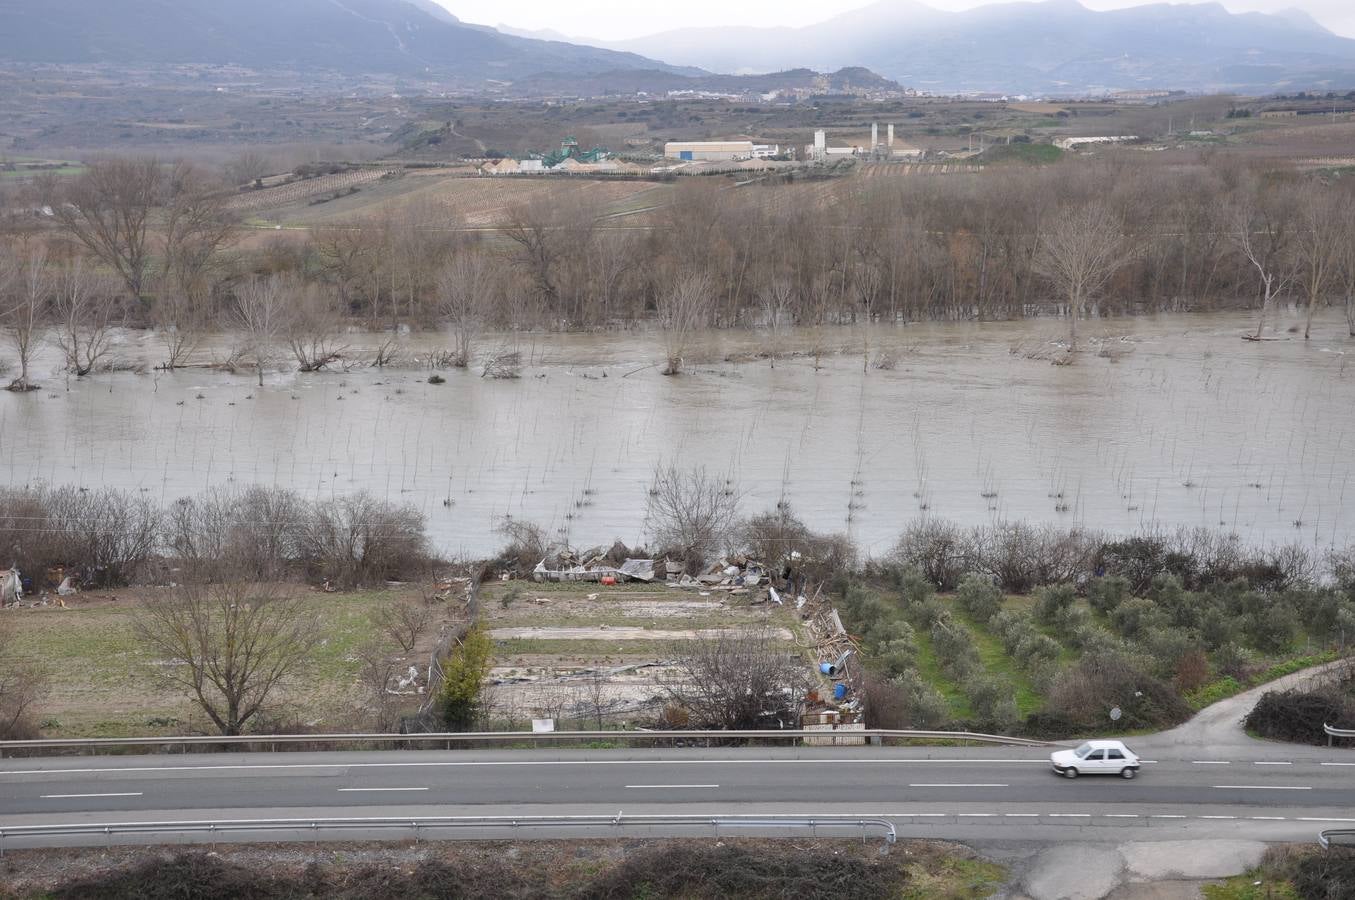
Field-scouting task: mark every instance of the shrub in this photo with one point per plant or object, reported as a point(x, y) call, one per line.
point(359, 539)
point(1050, 602)
point(1086, 691)
point(934, 547)
point(101, 537)
point(1273, 629)
point(1105, 594)
point(979, 597)
point(463, 677)
point(1192, 671)
point(1298, 716)
point(1135, 616)
point(527, 545)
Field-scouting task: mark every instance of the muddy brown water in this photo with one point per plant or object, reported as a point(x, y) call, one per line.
point(1181, 423)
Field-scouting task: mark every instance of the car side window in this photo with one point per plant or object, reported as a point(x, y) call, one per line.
point(1114, 754)
point(1097, 755)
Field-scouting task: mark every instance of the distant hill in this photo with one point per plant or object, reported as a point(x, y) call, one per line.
point(416, 38)
point(1053, 46)
point(852, 79)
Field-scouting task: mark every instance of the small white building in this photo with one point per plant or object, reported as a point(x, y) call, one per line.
point(708, 150)
point(766, 151)
point(1071, 143)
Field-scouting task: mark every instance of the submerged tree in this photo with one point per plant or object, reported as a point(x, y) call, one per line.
point(23, 308)
point(85, 311)
point(1079, 253)
point(260, 313)
point(108, 209)
point(467, 289)
point(684, 307)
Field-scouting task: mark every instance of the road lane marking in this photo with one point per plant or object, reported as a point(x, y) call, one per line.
point(958, 785)
point(1217, 817)
point(1166, 817)
point(1336, 764)
point(1070, 815)
point(646, 786)
point(1261, 787)
point(1272, 764)
point(975, 815)
point(1320, 819)
point(373, 789)
point(1021, 815)
point(1120, 815)
point(83, 796)
point(239, 767)
point(1210, 762)
point(1266, 818)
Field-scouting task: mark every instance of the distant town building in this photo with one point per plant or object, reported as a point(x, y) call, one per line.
point(1071, 143)
point(706, 150)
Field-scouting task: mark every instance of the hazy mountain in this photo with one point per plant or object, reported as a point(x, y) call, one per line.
point(633, 81)
point(1036, 47)
point(406, 37)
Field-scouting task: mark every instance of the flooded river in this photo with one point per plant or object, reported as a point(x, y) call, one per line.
point(1178, 423)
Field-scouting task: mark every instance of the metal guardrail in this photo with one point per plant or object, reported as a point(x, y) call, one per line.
point(515, 737)
point(1333, 733)
point(1340, 837)
point(312, 829)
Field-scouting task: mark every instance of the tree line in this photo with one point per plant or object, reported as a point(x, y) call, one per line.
point(146, 243)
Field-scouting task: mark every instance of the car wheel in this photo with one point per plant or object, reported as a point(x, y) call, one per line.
point(1070, 772)
point(1128, 772)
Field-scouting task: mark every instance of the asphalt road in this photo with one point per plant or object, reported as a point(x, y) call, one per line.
point(1269, 792)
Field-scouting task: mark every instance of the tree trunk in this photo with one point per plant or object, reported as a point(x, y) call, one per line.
point(1308, 323)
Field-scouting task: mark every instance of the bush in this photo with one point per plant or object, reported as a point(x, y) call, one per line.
point(254, 534)
point(1298, 716)
point(101, 537)
point(934, 547)
point(979, 597)
point(1326, 876)
point(1273, 629)
point(1105, 594)
point(358, 539)
point(1051, 602)
point(1086, 691)
point(1135, 616)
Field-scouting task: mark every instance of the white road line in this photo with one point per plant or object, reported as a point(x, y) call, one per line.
point(375, 789)
point(1320, 819)
point(1120, 815)
point(958, 785)
point(1272, 764)
point(1216, 817)
point(1070, 815)
point(242, 767)
point(645, 786)
point(83, 796)
point(1267, 818)
point(1336, 764)
point(1210, 762)
point(1166, 817)
point(975, 815)
point(1021, 815)
point(1261, 787)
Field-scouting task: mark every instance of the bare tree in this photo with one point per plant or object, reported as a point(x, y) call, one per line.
point(775, 299)
point(1318, 246)
point(1079, 253)
point(405, 621)
point(377, 670)
point(597, 698)
point(85, 307)
point(25, 311)
point(467, 289)
point(312, 326)
point(739, 680)
point(683, 307)
point(1346, 262)
point(197, 226)
point(108, 209)
point(691, 511)
point(229, 646)
point(1264, 229)
point(260, 313)
point(22, 686)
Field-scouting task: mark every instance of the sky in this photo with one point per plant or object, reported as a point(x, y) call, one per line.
point(611, 20)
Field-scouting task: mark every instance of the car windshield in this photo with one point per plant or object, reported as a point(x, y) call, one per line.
point(1081, 752)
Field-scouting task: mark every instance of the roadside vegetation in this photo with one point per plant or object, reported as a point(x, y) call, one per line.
point(258, 611)
point(703, 869)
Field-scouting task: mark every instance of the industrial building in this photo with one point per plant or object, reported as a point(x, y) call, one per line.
point(719, 150)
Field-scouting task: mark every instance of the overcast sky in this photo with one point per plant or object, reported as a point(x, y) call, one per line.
point(613, 20)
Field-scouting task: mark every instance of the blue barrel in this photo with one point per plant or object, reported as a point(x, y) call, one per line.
point(839, 691)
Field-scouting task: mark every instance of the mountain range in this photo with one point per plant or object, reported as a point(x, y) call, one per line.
point(1050, 46)
point(1042, 47)
point(415, 38)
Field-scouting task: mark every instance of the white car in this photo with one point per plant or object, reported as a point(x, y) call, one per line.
point(1096, 758)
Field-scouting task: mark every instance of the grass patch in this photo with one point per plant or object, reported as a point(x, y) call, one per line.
point(1026, 154)
point(929, 667)
point(1252, 885)
point(584, 648)
point(954, 878)
point(996, 661)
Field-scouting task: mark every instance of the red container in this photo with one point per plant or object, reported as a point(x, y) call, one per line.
point(608, 579)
